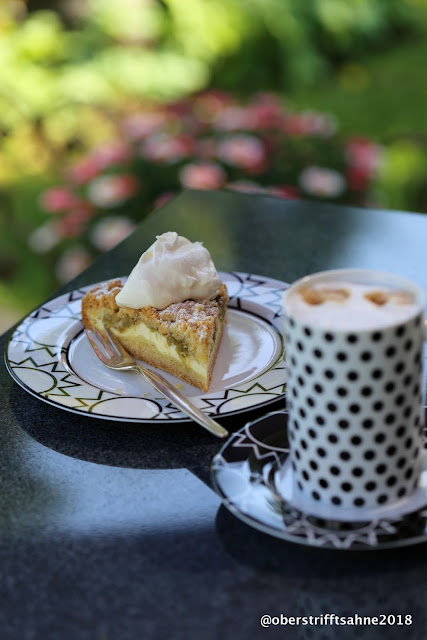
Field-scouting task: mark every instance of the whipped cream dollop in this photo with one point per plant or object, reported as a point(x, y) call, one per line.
point(173, 269)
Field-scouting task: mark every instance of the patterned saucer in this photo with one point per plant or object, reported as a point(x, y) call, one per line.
point(245, 473)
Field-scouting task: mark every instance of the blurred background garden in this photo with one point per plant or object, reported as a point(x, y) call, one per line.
point(109, 108)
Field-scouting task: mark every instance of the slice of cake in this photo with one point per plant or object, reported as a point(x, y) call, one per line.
point(169, 313)
point(182, 339)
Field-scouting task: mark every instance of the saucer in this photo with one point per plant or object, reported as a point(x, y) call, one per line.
point(248, 475)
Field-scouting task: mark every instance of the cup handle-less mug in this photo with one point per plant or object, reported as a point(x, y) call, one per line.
point(354, 400)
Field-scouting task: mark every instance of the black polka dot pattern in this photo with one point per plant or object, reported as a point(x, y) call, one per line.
point(356, 402)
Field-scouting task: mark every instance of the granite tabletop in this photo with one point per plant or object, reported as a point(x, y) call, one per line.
point(112, 530)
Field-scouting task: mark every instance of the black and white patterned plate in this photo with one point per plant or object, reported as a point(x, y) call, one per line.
point(245, 475)
point(49, 356)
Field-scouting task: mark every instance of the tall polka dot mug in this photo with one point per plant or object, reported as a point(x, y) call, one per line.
point(354, 341)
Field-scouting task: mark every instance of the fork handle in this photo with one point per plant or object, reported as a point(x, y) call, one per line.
point(166, 389)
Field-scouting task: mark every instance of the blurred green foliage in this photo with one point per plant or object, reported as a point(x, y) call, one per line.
point(147, 48)
point(71, 70)
point(295, 44)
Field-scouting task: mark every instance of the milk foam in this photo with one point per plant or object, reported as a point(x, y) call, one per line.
point(349, 306)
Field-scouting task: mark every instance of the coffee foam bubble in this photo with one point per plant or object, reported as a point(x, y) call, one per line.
point(344, 305)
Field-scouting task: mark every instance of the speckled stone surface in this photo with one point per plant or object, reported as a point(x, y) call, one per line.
point(112, 531)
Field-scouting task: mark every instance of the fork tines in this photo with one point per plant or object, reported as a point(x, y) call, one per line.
point(108, 341)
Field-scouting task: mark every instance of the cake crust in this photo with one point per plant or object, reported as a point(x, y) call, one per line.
point(189, 331)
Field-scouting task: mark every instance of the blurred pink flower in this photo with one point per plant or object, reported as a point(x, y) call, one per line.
point(322, 182)
point(322, 124)
point(71, 263)
point(202, 175)
point(110, 231)
point(83, 170)
point(111, 153)
point(234, 118)
point(140, 125)
point(358, 178)
point(364, 158)
point(209, 104)
point(111, 190)
point(58, 199)
point(73, 223)
point(245, 151)
point(266, 111)
point(44, 238)
point(310, 123)
point(294, 125)
point(162, 147)
point(102, 157)
point(364, 154)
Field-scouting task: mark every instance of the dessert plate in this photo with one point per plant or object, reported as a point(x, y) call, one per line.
point(248, 475)
point(50, 357)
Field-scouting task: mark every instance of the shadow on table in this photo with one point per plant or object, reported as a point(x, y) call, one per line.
point(383, 583)
point(121, 444)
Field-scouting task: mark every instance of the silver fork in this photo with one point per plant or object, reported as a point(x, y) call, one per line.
point(113, 355)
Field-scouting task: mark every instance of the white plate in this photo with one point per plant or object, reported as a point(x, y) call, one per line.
point(50, 357)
